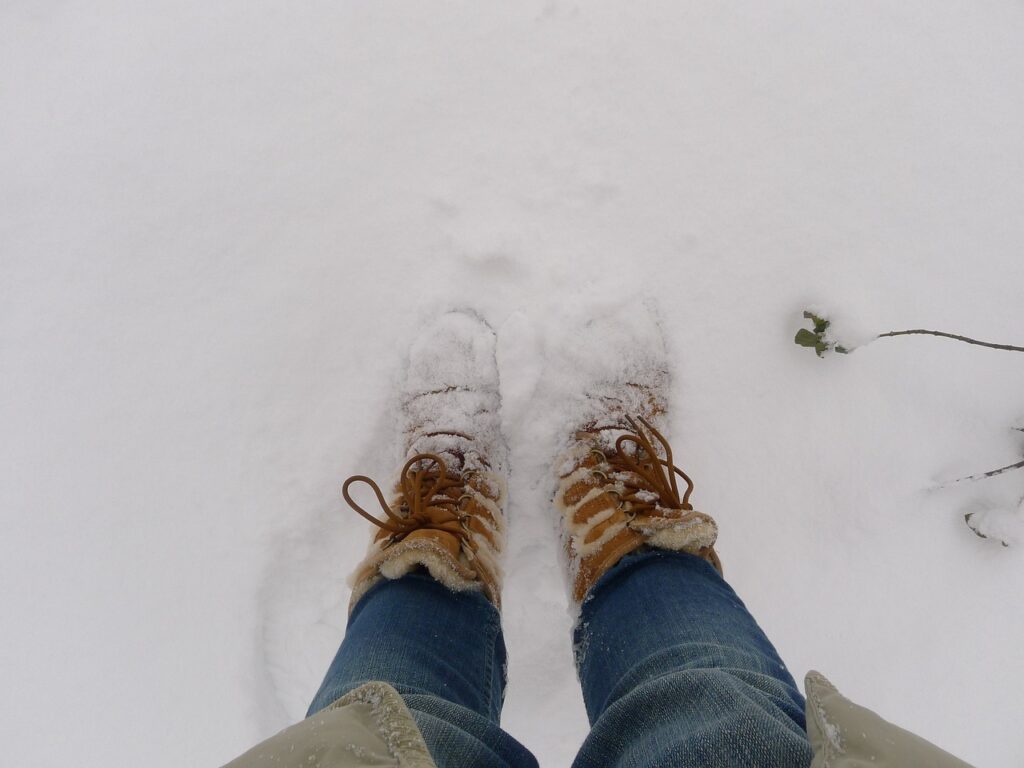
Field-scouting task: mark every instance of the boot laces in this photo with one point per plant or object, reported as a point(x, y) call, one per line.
point(425, 501)
point(649, 481)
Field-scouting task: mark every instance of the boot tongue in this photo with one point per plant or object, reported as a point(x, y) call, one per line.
point(453, 464)
point(603, 435)
point(454, 461)
point(441, 539)
point(451, 448)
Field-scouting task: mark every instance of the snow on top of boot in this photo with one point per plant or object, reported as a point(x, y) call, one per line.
point(450, 398)
point(615, 364)
point(455, 350)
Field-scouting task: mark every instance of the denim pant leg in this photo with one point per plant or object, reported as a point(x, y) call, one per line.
point(676, 672)
point(443, 651)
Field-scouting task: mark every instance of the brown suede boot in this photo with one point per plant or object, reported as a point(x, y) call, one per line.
point(617, 483)
point(447, 510)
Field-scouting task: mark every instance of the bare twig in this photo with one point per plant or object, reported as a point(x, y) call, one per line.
point(957, 337)
point(820, 338)
point(992, 473)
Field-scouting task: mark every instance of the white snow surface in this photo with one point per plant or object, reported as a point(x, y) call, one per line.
point(221, 224)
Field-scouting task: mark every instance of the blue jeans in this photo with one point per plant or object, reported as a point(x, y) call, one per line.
point(674, 670)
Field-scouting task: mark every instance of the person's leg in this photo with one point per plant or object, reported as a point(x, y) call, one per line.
point(676, 672)
point(443, 651)
point(424, 611)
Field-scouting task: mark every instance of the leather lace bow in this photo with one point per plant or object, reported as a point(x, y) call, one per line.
point(424, 503)
point(642, 472)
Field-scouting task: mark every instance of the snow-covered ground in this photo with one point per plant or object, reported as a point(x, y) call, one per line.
point(221, 223)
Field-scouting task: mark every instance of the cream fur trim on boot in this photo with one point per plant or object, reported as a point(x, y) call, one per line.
point(467, 560)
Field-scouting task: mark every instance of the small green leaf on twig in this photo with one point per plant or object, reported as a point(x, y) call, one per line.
point(806, 338)
point(820, 323)
point(818, 338)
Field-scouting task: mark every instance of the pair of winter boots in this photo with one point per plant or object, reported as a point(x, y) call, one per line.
point(617, 488)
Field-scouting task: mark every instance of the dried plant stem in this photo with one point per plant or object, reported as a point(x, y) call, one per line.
point(992, 473)
point(957, 337)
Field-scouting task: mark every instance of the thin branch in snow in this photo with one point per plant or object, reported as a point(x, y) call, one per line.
point(957, 337)
point(820, 337)
point(991, 473)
